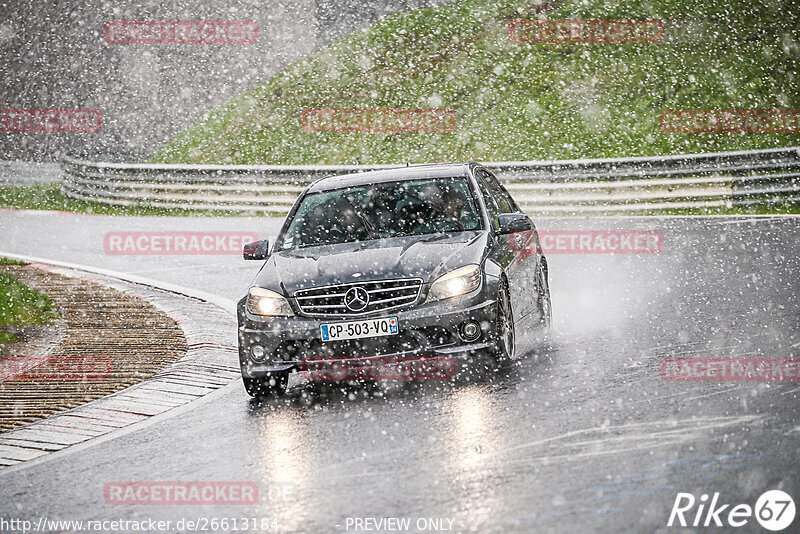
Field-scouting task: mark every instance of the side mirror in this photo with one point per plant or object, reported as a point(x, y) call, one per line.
point(510, 223)
point(258, 250)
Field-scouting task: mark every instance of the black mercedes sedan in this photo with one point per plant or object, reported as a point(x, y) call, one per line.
point(419, 261)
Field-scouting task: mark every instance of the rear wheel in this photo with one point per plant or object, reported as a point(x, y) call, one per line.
point(274, 384)
point(543, 302)
point(504, 337)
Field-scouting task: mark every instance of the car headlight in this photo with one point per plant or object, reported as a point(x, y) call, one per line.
point(458, 282)
point(264, 302)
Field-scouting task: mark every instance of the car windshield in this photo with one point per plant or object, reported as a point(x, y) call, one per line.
point(376, 211)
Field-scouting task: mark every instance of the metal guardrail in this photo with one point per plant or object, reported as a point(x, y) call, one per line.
point(27, 173)
point(619, 185)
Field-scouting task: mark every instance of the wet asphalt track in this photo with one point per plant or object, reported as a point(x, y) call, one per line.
point(581, 435)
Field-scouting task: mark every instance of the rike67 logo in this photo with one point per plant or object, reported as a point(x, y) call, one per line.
point(774, 510)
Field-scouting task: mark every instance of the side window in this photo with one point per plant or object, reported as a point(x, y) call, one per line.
point(491, 204)
point(504, 200)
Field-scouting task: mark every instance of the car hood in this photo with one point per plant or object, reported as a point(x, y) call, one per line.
point(426, 257)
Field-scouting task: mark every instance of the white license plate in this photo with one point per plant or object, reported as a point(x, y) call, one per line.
point(358, 329)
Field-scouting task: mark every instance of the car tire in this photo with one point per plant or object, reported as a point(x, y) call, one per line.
point(504, 334)
point(275, 384)
point(543, 303)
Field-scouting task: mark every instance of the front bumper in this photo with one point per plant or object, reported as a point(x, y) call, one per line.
point(428, 330)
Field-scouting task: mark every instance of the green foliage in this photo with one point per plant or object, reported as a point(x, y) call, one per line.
point(21, 305)
point(517, 101)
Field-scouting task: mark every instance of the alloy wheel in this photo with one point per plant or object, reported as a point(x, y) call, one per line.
point(505, 326)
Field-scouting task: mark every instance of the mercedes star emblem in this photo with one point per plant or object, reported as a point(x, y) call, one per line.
point(356, 299)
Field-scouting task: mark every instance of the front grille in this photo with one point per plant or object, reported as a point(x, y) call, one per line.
point(383, 295)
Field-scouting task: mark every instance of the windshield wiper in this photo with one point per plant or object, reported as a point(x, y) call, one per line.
point(368, 225)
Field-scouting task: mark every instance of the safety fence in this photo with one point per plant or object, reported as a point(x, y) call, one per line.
point(579, 187)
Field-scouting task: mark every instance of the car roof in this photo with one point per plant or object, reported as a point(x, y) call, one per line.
point(412, 172)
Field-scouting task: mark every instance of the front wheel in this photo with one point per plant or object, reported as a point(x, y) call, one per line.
point(504, 336)
point(274, 384)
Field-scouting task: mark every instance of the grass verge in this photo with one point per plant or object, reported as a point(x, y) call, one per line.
point(517, 101)
point(20, 305)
